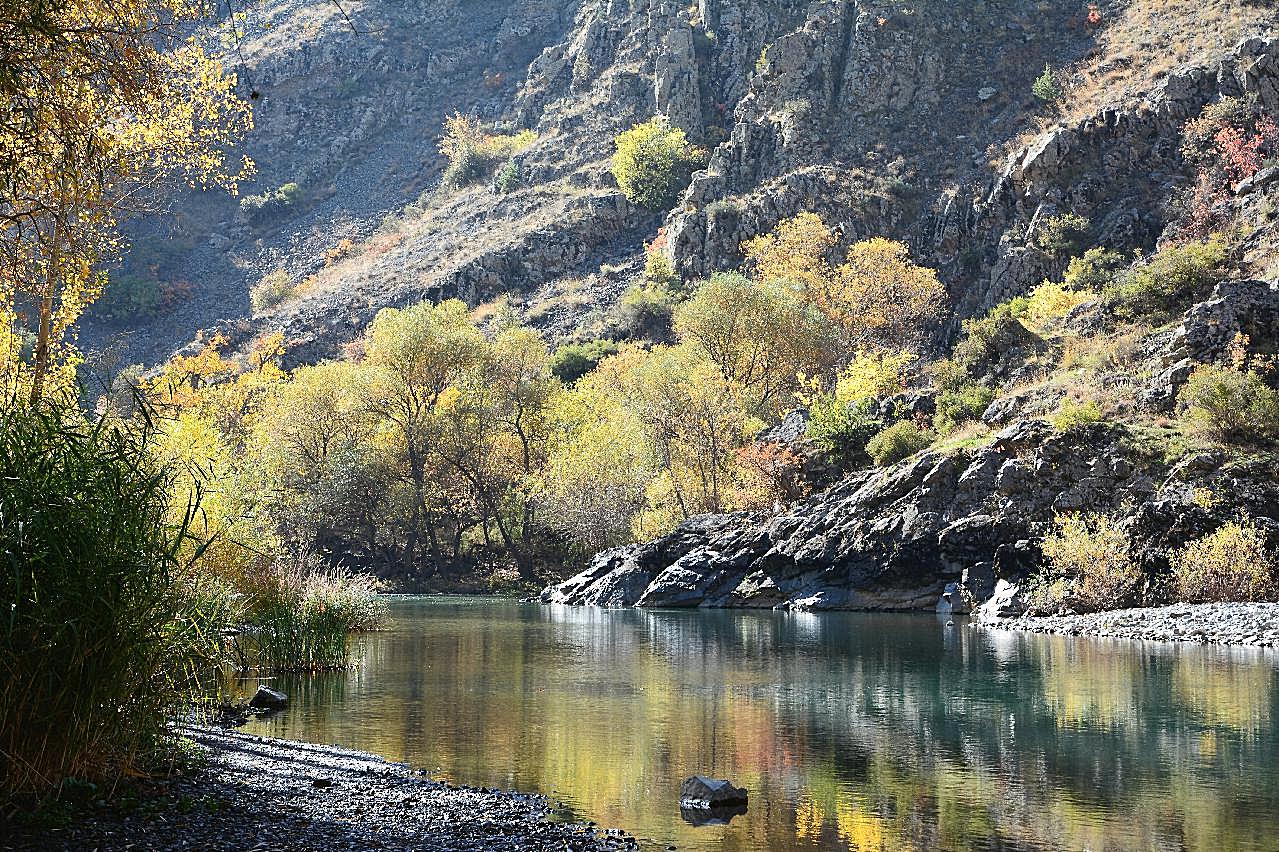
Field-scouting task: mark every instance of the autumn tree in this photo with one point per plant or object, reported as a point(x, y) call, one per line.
point(599, 464)
point(876, 296)
point(692, 421)
point(103, 102)
point(417, 357)
point(761, 335)
point(328, 475)
point(495, 432)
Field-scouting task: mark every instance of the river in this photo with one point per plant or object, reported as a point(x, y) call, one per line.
point(850, 730)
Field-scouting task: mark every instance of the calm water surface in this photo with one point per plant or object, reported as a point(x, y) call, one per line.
point(852, 731)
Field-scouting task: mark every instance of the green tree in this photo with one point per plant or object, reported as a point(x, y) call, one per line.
point(417, 357)
point(762, 336)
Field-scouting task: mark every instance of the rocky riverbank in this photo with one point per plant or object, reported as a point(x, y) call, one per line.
point(1254, 624)
point(264, 794)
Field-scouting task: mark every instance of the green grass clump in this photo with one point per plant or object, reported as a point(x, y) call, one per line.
point(100, 640)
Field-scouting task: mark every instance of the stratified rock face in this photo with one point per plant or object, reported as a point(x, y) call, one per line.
point(896, 538)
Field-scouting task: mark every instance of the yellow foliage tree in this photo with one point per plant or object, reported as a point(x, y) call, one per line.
point(877, 297)
point(102, 102)
point(761, 335)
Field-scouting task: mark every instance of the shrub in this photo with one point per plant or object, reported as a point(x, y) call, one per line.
point(574, 360)
point(1094, 270)
point(130, 297)
point(1087, 567)
point(1046, 87)
point(987, 338)
point(1169, 281)
point(259, 207)
point(1071, 413)
point(272, 289)
point(646, 308)
point(899, 441)
point(1229, 405)
point(100, 639)
point(658, 269)
point(1062, 235)
point(1048, 302)
point(1231, 564)
point(960, 405)
point(652, 162)
point(474, 153)
point(508, 178)
point(841, 429)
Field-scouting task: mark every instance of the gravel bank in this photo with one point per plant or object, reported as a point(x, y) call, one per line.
point(265, 794)
point(1221, 624)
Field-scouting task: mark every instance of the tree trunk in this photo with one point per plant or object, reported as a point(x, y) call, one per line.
point(46, 321)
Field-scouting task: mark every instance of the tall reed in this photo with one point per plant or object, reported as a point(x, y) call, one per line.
point(99, 638)
point(300, 615)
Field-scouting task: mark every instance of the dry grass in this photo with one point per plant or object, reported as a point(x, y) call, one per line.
point(1150, 39)
point(1141, 45)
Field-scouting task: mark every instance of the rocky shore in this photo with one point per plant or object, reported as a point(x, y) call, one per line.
point(1254, 624)
point(265, 794)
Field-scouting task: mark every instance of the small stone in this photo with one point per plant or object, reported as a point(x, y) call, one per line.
point(267, 698)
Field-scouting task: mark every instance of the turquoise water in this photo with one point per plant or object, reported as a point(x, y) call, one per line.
point(851, 731)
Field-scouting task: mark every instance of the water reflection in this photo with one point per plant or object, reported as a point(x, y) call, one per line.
point(851, 731)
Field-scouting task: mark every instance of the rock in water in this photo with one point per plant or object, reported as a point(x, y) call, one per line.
point(702, 792)
point(267, 698)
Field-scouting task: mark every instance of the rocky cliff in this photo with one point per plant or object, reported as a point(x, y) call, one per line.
point(959, 527)
point(912, 120)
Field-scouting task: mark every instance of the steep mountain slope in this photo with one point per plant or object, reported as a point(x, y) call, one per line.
point(907, 119)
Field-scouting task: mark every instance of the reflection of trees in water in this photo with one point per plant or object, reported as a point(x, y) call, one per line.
point(870, 731)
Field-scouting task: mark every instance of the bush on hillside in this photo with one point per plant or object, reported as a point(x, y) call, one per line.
point(652, 162)
point(1229, 405)
point(1169, 281)
point(1088, 568)
point(899, 441)
point(1062, 235)
point(130, 297)
point(473, 152)
point(1231, 564)
point(1047, 88)
point(841, 428)
point(1094, 270)
point(102, 632)
point(1074, 413)
point(987, 338)
point(508, 178)
point(262, 206)
point(646, 309)
point(573, 360)
point(272, 289)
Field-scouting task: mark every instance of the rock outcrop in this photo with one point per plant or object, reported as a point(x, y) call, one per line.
point(965, 523)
